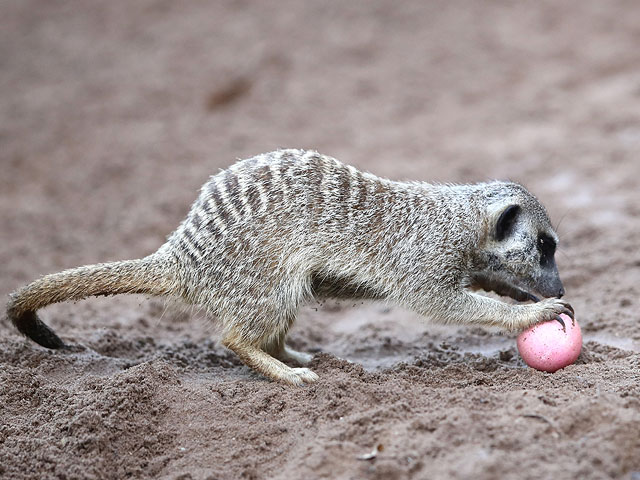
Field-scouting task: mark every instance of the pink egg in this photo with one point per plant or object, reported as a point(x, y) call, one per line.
point(547, 347)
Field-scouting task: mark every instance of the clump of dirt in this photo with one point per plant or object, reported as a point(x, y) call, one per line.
point(84, 429)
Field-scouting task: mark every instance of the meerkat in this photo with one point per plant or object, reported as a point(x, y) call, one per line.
point(272, 232)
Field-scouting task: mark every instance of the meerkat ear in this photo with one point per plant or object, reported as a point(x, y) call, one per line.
point(505, 222)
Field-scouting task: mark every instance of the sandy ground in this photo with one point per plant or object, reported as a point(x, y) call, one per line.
point(112, 114)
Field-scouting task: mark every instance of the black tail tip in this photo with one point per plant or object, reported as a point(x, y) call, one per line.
point(31, 326)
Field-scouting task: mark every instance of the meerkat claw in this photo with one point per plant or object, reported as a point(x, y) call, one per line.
point(569, 312)
point(572, 315)
point(559, 319)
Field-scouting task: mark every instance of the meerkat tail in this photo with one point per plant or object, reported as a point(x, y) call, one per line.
point(148, 275)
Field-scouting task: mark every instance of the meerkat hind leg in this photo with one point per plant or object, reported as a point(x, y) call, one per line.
point(279, 349)
point(302, 358)
point(268, 366)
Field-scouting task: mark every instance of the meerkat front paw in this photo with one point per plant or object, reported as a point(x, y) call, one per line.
point(552, 308)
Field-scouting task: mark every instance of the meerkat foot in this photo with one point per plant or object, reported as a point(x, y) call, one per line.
point(306, 375)
point(278, 349)
point(551, 309)
point(270, 367)
point(293, 376)
point(296, 376)
point(570, 313)
point(301, 357)
point(554, 307)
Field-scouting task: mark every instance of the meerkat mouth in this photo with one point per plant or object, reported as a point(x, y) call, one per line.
point(490, 283)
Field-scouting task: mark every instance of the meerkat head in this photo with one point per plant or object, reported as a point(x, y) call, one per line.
point(517, 256)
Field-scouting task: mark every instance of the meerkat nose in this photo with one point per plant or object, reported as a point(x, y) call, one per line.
point(561, 292)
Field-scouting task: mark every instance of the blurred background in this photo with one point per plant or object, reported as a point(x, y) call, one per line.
point(113, 114)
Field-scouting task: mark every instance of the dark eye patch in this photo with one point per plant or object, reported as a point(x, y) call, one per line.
point(546, 247)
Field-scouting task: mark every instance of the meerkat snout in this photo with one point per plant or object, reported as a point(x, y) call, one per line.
point(550, 284)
